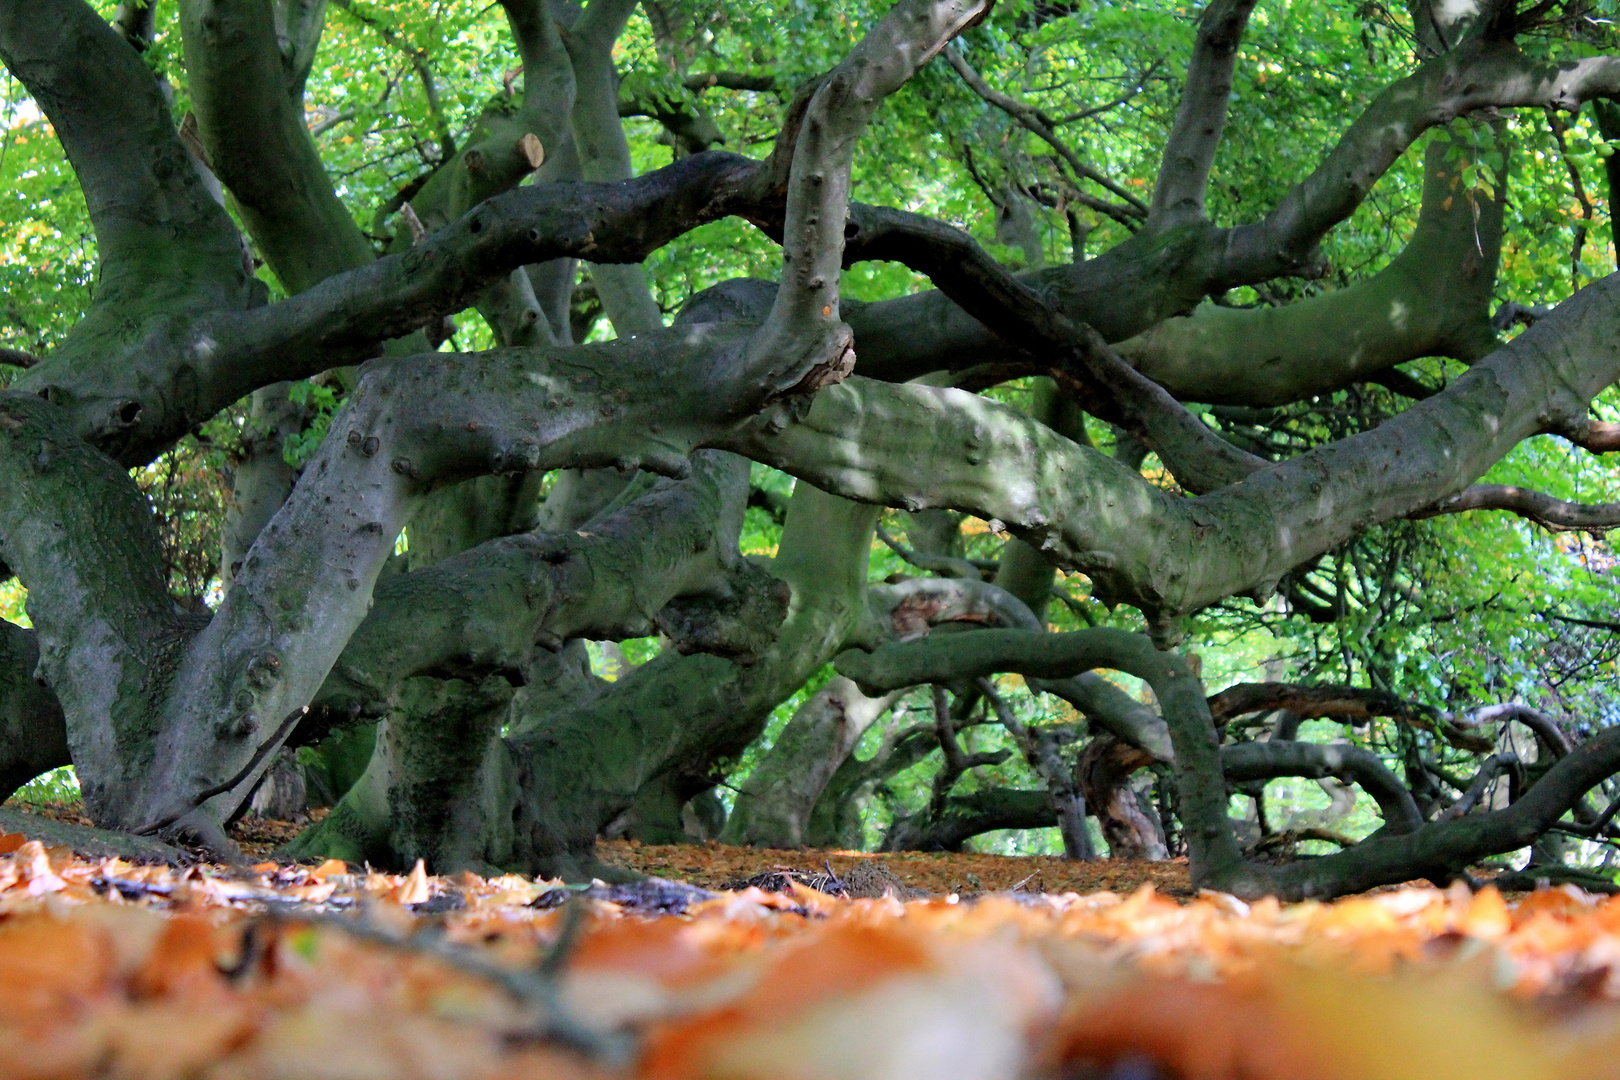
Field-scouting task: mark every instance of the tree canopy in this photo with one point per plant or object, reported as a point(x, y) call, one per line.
point(1189, 429)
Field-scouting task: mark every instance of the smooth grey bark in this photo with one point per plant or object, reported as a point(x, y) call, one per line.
point(262, 479)
point(1108, 707)
point(81, 538)
point(261, 658)
point(604, 153)
point(919, 446)
point(1195, 135)
point(774, 804)
point(252, 126)
point(484, 609)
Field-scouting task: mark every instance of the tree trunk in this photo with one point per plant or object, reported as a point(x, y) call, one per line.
point(1104, 773)
point(774, 805)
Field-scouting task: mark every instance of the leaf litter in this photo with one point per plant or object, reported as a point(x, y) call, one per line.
point(113, 969)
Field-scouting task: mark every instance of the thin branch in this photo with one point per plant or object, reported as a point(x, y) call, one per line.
point(1559, 127)
point(1034, 120)
point(1555, 515)
point(1040, 749)
point(943, 565)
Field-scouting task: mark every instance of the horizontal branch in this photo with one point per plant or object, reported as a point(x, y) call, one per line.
point(1269, 760)
point(1556, 515)
point(133, 405)
point(1478, 74)
point(917, 446)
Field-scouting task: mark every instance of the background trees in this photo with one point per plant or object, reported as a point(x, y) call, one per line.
point(454, 331)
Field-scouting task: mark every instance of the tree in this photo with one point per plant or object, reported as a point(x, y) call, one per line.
point(425, 540)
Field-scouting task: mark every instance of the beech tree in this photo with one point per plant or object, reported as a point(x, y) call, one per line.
point(1282, 343)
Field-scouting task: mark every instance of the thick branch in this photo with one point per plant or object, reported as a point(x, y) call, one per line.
point(805, 315)
point(1189, 152)
point(259, 146)
point(81, 537)
point(916, 446)
point(181, 376)
point(966, 816)
point(33, 734)
point(1477, 75)
point(1080, 358)
point(1269, 760)
point(1433, 299)
point(483, 610)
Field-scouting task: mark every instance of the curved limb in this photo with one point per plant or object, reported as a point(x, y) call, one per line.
point(251, 122)
point(1556, 515)
point(1438, 849)
point(917, 446)
point(1269, 760)
point(1433, 299)
point(966, 816)
point(774, 805)
point(81, 538)
point(1189, 151)
point(164, 246)
point(1104, 772)
point(483, 610)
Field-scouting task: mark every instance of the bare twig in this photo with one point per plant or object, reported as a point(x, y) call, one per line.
point(943, 565)
point(1034, 120)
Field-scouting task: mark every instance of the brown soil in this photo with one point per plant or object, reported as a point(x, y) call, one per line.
point(716, 865)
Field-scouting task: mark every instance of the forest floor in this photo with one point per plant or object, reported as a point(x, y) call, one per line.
point(783, 965)
point(941, 873)
point(720, 866)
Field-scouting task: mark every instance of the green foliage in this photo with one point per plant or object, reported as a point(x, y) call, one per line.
point(54, 788)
